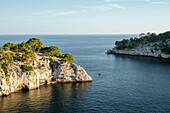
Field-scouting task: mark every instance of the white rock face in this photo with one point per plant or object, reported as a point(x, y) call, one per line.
point(46, 70)
point(143, 48)
point(69, 72)
point(140, 51)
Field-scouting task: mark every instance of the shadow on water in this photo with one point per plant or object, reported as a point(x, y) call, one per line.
point(140, 58)
point(47, 98)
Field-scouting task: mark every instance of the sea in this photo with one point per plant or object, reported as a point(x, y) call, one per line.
point(121, 83)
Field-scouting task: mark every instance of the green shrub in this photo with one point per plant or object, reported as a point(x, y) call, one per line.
point(34, 43)
point(9, 45)
point(9, 58)
point(58, 54)
point(117, 42)
point(26, 68)
point(4, 67)
point(68, 57)
point(7, 78)
point(28, 48)
point(35, 67)
point(29, 54)
point(6, 48)
point(49, 50)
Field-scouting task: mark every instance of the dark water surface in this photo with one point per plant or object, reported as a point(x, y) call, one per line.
point(126, 84)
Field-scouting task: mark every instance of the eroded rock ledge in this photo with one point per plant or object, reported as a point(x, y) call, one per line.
point(49, 70)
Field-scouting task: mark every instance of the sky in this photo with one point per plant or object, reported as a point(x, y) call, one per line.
point(84, 16)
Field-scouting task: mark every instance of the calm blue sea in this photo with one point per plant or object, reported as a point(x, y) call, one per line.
point(127, 84)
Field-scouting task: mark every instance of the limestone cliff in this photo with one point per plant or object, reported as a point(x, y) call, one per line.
point(151, 45)
point(42, 69)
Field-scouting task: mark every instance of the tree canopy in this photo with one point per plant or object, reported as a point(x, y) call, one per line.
point(10, 51)
point(160, 41)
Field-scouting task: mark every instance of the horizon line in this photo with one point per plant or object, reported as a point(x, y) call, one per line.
point(72, 34)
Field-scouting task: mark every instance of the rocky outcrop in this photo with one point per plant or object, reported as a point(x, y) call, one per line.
point(140, 51)
point(150, 45)
point(46, 70)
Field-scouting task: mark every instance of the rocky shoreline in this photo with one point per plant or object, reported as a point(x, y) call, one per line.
point(50, 70)
point(139, 52)
point(150, 45)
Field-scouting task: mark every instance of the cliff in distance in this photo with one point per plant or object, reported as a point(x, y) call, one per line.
point(28, 65)
point(151, 45)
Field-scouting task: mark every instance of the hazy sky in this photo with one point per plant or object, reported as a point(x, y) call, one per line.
point(84, 16)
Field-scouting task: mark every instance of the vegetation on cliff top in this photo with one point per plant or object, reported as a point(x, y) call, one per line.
point(25, 51)
point(159, 42)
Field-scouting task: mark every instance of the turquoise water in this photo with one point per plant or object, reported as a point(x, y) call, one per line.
point(127, 83)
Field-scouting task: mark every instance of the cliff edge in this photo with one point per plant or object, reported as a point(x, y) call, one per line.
point(151, 45)
point(29, 64)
